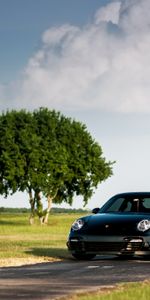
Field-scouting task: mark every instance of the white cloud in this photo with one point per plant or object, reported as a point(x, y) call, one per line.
point(105, 65)
point(134, 16)
point(108, 13)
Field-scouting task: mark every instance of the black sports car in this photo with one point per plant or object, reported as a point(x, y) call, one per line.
point(121, 227)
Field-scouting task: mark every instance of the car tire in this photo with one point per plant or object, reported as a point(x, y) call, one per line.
point(83, 256)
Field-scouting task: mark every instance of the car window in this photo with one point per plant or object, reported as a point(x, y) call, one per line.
point(116, 205)
point(128, 204)
point(141, 205)
point(146, 203)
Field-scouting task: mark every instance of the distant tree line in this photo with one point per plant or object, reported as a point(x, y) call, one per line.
point(54, 210)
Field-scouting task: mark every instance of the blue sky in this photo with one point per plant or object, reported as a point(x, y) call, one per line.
point(90, 60)
point(22, 23)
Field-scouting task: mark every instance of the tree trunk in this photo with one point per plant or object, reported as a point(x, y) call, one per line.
point(32, 204)
point(39, 206)
point(49, 206)
point(43, 217)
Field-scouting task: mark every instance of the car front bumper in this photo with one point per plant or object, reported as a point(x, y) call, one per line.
point(109, 244)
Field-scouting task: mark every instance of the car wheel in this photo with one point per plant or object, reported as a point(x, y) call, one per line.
point(83, 256)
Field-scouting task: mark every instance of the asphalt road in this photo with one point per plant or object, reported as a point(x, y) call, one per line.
point(49, 281)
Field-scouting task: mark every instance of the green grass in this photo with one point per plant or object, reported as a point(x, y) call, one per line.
point(18, 239)
point(130, 291)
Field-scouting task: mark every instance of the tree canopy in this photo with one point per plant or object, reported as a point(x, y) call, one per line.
point(45, 152)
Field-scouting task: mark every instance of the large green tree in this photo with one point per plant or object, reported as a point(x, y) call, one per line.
point(45, 153)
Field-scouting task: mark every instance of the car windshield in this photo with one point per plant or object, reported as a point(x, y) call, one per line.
point(127, 204)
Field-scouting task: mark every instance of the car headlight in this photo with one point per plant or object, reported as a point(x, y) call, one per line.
point(143, 225)
point(77, 225)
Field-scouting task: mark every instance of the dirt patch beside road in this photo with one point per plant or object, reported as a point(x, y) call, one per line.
point(10, 262)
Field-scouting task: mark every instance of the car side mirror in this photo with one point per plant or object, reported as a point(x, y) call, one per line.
point(95, 210)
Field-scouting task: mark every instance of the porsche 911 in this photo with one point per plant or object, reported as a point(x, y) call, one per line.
point(121, 227)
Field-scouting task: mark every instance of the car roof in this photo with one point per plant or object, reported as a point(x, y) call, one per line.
point(133, 194)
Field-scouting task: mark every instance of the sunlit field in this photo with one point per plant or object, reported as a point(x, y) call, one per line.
point(130, 291)
point(18, 239)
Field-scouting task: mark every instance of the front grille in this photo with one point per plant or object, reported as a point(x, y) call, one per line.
point(106, 246)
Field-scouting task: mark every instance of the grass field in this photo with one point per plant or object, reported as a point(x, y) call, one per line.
point(19, 240)
point(130, 291)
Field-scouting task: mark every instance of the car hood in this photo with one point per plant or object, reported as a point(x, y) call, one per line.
point(113, 223)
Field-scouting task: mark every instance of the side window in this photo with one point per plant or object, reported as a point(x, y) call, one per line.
point(146, 203)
